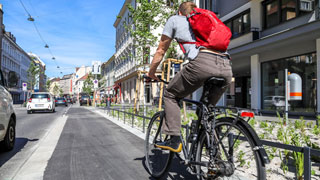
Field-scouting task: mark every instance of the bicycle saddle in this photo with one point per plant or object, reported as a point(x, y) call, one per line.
point(216, 81)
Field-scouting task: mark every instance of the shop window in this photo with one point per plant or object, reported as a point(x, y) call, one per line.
point(239, 24)
point(273, 83)
point(278, 11)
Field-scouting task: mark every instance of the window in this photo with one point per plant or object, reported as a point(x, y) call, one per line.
point(207, 4)
point(278, 11)
point(273, 83)
point(239, 24)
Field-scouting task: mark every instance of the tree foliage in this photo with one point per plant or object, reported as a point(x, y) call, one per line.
point(145, 19)
point(56, 90)
point(88, 85)
point(33, 72)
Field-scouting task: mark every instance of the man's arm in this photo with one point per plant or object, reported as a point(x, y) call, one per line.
point(161, 50)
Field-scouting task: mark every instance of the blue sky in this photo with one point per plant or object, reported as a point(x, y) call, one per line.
point(77, 31)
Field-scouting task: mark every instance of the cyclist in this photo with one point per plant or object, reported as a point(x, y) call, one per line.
point(203, 64)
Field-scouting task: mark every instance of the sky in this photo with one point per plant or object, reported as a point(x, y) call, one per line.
point(77, 31)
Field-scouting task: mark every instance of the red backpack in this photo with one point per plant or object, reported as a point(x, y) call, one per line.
point(209, 31)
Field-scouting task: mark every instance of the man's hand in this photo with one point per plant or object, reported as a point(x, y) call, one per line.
point(153, 76)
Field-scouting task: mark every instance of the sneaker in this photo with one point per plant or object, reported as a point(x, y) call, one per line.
point(172, 144)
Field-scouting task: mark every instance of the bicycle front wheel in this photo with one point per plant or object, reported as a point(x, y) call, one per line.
point(233, 156)
point(157, 159)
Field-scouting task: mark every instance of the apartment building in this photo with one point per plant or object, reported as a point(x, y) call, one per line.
point(66, 84)
point(107, 72)
point(81, 73)
point(269, 36)
point(14, 58)
point(127, 62)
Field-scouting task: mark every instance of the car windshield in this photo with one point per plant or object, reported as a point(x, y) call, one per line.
point(39, 96)
point(60, 98)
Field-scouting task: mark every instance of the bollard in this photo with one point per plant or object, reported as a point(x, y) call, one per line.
point(124, 117)
point(306, 163)
point(144, 122)
point(132, 119)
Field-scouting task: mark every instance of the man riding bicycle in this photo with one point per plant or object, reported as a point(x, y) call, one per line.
point(203, 64)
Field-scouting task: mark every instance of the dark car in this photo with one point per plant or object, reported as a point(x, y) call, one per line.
point(70, 100)
point(84, 100)
point(61, 101)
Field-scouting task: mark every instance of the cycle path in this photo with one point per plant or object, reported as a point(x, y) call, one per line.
point(93, 147)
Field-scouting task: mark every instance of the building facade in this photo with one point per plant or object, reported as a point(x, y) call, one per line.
point(14, 58)
point(80, 73)
point(268, 37)
point(66, 83)
point(107, 72)
point(128, 66)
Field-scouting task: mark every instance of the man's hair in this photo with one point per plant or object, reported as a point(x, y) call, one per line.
point(187, 7)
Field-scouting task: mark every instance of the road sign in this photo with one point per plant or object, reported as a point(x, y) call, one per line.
point(96, 67)
point(24, 86)
point(95, 83)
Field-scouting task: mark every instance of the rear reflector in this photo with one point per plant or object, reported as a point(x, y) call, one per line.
point(247, 114)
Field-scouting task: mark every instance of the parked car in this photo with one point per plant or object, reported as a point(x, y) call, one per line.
point(7, 114)
point(61, 101)
point(275, 102)
point(84, 100)
point(40, 101)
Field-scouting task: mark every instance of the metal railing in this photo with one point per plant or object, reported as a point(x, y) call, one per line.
point(307, 151)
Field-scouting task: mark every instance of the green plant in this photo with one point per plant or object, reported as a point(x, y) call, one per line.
point(263, 125)
point(252, 122)
point(316, 130)
point(241, 159)
point(298, 156)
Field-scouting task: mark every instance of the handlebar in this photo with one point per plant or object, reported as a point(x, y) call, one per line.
point(150, 80)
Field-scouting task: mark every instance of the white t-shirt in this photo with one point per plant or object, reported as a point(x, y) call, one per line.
point(178, 27)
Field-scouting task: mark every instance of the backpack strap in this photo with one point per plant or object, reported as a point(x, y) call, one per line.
point(182, 43)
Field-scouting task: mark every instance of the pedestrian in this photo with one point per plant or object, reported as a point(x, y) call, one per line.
point(204, 63)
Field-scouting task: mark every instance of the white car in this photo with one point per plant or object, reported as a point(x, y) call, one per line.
point(275, 102)
point(40, 101)
point(7, 114)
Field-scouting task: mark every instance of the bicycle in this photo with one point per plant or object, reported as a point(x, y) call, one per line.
point(220, 144)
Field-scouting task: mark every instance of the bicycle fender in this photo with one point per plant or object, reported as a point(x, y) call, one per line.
point(258, 144)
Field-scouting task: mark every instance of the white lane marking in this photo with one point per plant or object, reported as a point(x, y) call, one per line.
point(34, 167)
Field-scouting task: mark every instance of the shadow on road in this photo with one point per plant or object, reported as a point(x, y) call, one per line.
point(176, 170)
point(19, 144)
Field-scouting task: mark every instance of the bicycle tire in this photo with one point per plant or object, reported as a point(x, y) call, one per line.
point(157, 160)
point(243, 169)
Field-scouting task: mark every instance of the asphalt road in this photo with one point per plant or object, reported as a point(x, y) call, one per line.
point(92, 147)
point(30, 128)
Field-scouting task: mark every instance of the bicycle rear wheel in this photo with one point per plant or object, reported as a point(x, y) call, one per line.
point(234, 154)
point(157, 159)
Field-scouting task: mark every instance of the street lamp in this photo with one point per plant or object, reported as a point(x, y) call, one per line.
point(46, 46)
point(30, 18)
point(53, 58)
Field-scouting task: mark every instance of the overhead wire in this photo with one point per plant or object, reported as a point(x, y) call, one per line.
point(30, 18)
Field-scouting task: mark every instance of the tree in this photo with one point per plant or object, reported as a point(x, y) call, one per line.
point(33, 72)
point(145, 18)
point(88, 85)
point(56, 90)
point(48, 84)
